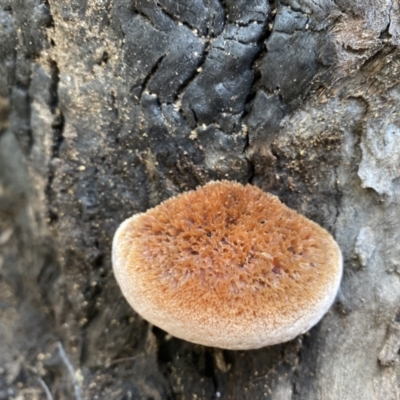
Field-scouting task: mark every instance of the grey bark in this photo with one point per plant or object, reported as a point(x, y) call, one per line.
point(108, 107)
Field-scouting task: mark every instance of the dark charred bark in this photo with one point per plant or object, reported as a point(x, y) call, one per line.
point(109, 107)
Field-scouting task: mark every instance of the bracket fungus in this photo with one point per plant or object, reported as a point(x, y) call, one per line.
point(228, 266)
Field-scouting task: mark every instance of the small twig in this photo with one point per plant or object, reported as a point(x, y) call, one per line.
point(45, 388)
point(42, 383)
point(70, 368)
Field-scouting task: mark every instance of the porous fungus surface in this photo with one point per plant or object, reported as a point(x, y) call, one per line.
point(226, 257)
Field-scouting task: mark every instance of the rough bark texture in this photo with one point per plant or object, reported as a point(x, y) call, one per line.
point(108, 107)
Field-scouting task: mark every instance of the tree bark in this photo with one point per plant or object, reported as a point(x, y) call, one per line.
point(108, 107)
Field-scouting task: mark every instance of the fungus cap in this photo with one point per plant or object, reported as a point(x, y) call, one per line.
point(228, 266)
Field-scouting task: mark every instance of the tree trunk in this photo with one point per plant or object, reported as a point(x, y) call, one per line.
point(108, 107)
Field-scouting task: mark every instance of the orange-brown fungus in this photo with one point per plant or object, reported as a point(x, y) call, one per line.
point(230, 259)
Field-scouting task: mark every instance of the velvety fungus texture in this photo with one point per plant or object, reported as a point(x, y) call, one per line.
point(228, 266)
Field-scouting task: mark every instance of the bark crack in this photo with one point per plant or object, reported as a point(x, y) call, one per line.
point(58, 121)
point(177, 21)
point(57, 134)
point(151, 73)
point(261, 42)
point(181, 90)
